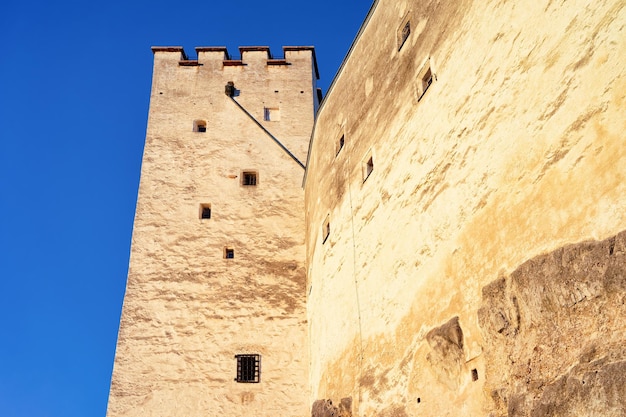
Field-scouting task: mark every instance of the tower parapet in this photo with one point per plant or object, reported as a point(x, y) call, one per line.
point(249, 55)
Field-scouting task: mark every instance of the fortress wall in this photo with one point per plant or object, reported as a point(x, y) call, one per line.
point(485, 242)
point(188, 310)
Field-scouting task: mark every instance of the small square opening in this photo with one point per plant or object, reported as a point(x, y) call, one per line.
point(474, 374)
point(205, 211)
point(199, 126)
point(248, 178)
point(271, 114)
point(229, 253)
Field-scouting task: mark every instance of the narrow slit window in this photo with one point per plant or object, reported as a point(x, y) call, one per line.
point(249, 178)
point(340, 143)
point(229, 253)
point(326, 229)
point(403, 34)
point(248, 368)
point(368, 167)
point(205, 211)
point(199, 126)
point(474, 374)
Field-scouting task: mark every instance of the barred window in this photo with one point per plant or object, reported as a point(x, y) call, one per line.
point(249, 178)
point(248, 368)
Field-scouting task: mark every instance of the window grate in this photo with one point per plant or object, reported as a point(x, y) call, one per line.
point(249, 178)
point(248, 368)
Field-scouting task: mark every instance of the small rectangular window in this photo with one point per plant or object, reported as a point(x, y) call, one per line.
point(403, 34)
point(205, 211)
point(199, 126)
point(248, 368)
point(248, 178)
point(404, 30)
point(425, 79)
point(229, 253)
point(271, 114)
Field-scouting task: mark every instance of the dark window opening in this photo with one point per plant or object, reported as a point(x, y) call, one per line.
point(368, 167)
point(248, 368)
point(229, 253)
point(342, 141)
point(205, 211)
point(474, 374)
point(248, 178)
point(199, 126)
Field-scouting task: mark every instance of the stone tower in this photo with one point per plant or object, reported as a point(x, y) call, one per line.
point(214, 320)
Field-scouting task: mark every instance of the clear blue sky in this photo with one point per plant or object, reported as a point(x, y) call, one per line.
point(74, 89)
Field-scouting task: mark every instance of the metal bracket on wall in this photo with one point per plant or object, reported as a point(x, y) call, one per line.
point(231, 91)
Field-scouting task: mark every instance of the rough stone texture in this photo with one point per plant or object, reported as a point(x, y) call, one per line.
point(555, 333)
point(188, 310)
point(325, 408)
point(446, 356)
point(515, 150)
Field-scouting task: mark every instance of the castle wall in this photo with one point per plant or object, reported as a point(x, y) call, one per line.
point(478, 269)
point(188, 308)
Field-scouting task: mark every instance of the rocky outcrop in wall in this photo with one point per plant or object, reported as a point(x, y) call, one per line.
point(555, 332)
point(325, 408)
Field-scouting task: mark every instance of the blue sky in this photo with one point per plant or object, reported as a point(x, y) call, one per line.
point(74, 93)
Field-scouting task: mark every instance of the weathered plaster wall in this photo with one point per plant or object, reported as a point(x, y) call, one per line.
point(514, 156)
point(188, 310)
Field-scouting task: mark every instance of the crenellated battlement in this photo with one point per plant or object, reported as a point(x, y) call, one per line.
point(248, 55)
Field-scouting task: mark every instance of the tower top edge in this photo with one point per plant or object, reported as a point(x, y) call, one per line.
point(242, 50)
